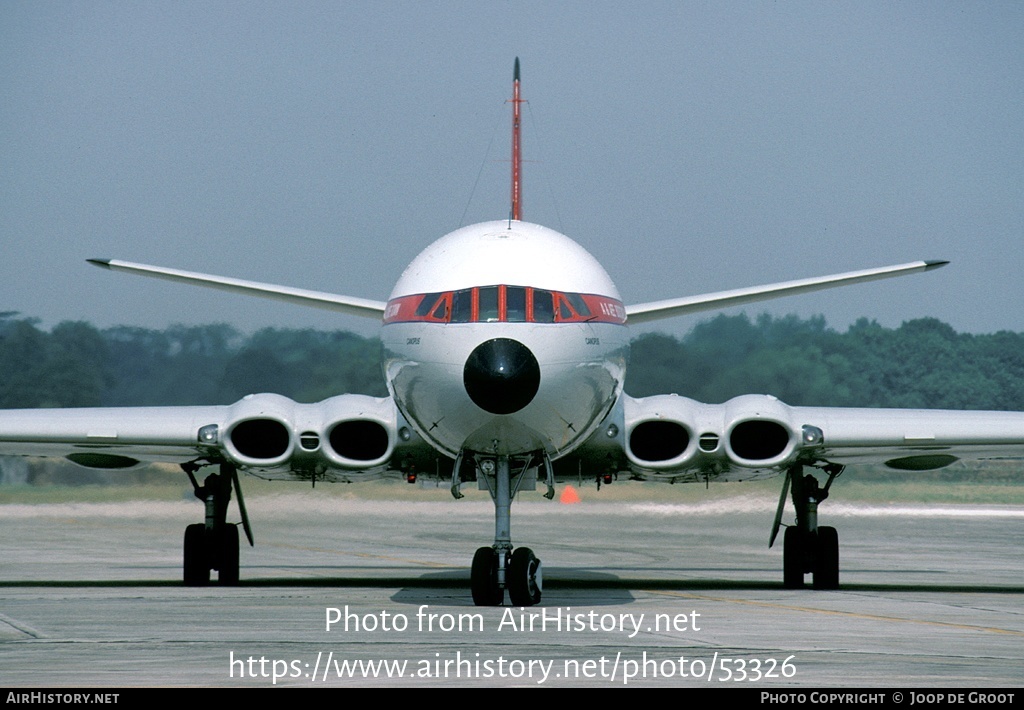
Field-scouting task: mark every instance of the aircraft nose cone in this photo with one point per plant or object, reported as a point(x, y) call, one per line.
point(501, 376)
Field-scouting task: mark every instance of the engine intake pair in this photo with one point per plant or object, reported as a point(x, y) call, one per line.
point(271, 431)
point(267, 439)
point(668, 432)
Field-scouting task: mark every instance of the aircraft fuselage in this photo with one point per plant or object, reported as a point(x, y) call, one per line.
point(526, 353)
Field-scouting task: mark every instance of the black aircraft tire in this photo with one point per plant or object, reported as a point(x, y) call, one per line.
point(483, 579)
point(826, 559)
point(227, 550)
point(524, 578)
point(196, 566)
point(792, 559)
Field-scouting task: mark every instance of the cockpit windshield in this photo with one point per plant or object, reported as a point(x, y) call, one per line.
point(504, 304)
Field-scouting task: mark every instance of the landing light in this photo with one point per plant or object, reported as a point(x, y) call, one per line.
point(208, 434)
point(812, 435)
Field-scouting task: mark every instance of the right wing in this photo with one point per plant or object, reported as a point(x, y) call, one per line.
point(341, 438)
point(343, 304)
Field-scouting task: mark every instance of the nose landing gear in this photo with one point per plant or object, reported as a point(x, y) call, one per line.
point(499, 567)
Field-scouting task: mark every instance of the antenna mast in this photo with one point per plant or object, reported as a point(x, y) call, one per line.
point(517, 195)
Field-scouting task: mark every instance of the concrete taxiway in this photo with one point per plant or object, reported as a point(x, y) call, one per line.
point(635, 593)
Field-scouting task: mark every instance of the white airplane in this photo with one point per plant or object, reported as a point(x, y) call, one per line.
point(505, 347)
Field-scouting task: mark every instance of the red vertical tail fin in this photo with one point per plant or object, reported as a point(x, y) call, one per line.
point(517, 174)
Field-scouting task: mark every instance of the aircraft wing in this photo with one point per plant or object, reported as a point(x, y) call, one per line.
point(913, 439)
point(318, 299)
point(656, 310)
point(669, 437)
point(340, 438)
point(115, 437)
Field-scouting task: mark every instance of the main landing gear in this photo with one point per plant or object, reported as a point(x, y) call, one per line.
point(808, 547)
point(213, 544)
point(499, 567)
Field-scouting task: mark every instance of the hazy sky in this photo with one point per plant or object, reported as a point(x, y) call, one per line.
point(689, 146)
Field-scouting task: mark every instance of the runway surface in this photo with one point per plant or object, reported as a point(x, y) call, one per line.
point(635, 593)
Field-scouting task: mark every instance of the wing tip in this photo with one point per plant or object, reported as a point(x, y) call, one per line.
point(103, 263)
point(934, 264)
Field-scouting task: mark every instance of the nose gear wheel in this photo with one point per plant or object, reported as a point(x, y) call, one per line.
point(525, 580)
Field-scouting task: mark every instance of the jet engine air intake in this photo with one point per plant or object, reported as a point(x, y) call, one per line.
point(359, 440)
point(759, 440)
point(260, 439)
point(658, 440)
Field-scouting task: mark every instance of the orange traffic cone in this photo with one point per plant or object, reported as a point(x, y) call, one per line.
point(569, 495)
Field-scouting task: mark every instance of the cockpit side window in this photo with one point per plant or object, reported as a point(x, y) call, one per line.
point(426, 304)
point(563, 310)
point(578, 305)
point(441, 312)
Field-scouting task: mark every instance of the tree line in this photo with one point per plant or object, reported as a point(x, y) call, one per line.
point(922, 363)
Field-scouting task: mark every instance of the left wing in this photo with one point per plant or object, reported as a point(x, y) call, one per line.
point(677, 439)
point(656, 310)
point(912, 439)
point(673, 437)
